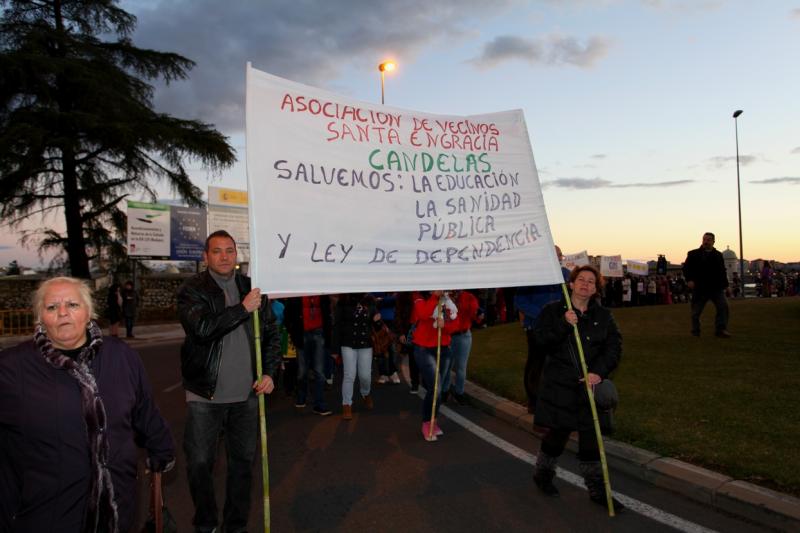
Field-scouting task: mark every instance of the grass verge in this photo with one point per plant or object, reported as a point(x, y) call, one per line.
point(730, 405)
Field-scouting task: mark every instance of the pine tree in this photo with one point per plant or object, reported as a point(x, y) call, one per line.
point(78, 132)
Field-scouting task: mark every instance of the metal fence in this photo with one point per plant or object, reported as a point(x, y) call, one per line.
point(16, 322)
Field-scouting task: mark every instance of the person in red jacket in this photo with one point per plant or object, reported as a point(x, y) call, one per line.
point(425, 346)
point(460, 344)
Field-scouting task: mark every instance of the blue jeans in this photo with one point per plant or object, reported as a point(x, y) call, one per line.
point(329, 363)
point(426, 362)
point(356, 360)
point(238, 422)
point(313, 352)
point(412, 368)
point(460, 346)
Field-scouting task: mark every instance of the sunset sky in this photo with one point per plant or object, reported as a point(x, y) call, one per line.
point(628, 103)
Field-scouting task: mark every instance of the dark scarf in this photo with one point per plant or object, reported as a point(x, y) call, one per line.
point(101, 511)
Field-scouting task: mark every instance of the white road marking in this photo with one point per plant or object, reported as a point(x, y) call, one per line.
point(632, 504)
point(173, 387)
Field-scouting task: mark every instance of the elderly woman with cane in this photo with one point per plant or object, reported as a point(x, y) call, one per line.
point(74, 407)
point(563, 402)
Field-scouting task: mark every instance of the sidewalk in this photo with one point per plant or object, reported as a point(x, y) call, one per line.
point(761, 505)
point(152, 334)
point(143, 335)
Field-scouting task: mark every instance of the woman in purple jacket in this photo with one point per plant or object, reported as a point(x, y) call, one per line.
point(74, 406)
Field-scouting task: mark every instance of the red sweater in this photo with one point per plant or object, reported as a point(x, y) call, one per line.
point(312, 313)
point(425, 334)
point(467, 311)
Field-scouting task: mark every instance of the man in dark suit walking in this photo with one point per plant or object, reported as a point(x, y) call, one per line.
point(707, 278)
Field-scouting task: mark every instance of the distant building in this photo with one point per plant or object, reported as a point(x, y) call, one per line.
point(758, 265)
point(731, 262)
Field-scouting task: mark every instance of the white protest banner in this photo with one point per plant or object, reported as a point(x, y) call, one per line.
point(347, 196)
point(637, 268)
point(227, 210)
point(148, 230)
point(572, 260)
point(611, 266)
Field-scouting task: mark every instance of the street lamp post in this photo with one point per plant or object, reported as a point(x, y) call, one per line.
point(739, 197)
point(386, 66)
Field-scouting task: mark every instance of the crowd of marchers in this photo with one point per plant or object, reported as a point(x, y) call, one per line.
point(75, 404)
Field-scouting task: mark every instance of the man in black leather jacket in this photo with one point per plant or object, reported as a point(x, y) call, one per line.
point(218, 368)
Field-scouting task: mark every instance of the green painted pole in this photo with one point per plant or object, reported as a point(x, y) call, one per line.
point(262, 422)
point(438, 359)
point(585, 370)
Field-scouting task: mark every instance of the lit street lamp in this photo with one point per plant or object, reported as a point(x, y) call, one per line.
point(386, 66)
point(739, 197)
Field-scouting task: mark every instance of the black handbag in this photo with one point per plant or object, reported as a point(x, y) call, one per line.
point(606, 396)
point(606, 399)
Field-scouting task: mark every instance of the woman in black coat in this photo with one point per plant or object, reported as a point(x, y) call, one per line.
point(130, 301)
point(563, 404)
point(74, 409)
point(355, 318)
point(114, 308)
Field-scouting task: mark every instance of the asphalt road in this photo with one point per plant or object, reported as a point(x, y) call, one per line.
point(376, 473)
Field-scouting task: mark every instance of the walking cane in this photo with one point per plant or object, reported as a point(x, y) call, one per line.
point(595, 419)
point(160, 520)
point(262, 422)
point(157, 501)
point(438, 358)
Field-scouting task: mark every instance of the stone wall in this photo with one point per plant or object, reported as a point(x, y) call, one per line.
point(157, 295)
point(16, 291)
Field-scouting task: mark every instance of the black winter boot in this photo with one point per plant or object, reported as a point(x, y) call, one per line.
point(592, 474)
point(544, 472)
